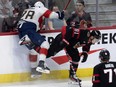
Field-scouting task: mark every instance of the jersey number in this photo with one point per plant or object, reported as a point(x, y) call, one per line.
point(29, 14)
point(110, 72)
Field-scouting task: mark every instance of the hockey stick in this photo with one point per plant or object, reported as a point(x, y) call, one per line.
point(67, 4)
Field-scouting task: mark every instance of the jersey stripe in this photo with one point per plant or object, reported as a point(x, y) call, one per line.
point(47, 13)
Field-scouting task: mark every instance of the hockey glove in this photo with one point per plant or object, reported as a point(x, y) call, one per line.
point(61, 15)
point(83, 24)
point(85, 55)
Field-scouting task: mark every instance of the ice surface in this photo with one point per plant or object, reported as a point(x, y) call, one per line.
point(86, 82)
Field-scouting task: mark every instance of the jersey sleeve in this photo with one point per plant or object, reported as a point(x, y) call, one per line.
point(96, 77)
point(50, 14)
point(86, 47)
point(71, 21)
point(53, 15)
point(47, 14)
point(89, 21)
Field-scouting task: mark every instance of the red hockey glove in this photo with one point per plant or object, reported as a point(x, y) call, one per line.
point(83, 24)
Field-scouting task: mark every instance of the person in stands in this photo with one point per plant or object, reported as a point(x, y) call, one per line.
point(79, 15)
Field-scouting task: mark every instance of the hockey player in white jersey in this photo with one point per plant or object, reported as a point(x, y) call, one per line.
point(28, 26)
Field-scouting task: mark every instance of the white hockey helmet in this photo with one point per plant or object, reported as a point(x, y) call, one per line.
point(39, 4)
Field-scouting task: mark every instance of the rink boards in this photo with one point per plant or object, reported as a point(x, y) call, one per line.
point(15, 66)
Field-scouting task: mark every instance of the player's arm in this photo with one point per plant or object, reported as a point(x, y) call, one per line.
point(89, 21)
point(70, 20)
point(85, 50)
point(86, 47)
point(96, 77)
point(58, 15)
point(51, 14)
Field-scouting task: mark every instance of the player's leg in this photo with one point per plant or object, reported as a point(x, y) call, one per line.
point(60, 41)
point(41, 47)
point(41, 52)
point(39, 44)
point(57, 45)
point(42, 57)
point(33, 58)
point(33, 40)
point(74, 55)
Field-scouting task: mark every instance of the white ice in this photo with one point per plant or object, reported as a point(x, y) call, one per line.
point(86, 82)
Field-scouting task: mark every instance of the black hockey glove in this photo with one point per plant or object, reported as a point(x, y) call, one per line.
point(85, 55)
point(61, 15)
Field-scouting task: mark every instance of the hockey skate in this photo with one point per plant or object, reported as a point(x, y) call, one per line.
point(35, 74)
point(74, 81)
point(24, 40)
point(42, 68)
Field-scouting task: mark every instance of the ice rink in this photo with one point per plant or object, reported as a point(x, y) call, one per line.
point(86, 82)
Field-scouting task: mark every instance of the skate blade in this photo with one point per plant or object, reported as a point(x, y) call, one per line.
point(39, 69)
point(35, 76)
point(74, 84)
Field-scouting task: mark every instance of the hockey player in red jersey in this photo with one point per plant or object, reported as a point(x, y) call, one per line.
point(28, 27)
point(104, 74)
point(71, 39)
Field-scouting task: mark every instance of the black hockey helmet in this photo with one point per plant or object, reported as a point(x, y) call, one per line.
point(96, 34)
point(104, 55)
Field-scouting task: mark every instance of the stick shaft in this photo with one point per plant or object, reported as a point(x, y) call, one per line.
point(67, 4)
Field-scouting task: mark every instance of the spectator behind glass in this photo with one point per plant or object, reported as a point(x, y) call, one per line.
point(56, 23)
point(79, 16)
point(6, 8)
point(6, 15)
point(11, 14)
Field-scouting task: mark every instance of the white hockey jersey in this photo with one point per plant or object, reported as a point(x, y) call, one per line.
point(36, 15)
